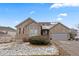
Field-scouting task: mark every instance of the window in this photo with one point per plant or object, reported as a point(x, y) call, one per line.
point(23, 30)
point(30, 27)
point(19, 30)
point(33, 32)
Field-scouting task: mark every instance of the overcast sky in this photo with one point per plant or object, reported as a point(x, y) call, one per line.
point(66, 13)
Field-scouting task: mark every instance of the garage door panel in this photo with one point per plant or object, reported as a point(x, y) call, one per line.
point(60, 36)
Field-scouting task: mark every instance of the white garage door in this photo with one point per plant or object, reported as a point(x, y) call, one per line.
point(60, 36)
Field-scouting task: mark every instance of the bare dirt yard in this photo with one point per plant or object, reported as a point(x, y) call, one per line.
point(26, 49)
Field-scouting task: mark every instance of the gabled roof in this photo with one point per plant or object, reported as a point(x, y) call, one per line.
point(7, 28)
point(25, 21)
point(61, 24)
point(48, 25)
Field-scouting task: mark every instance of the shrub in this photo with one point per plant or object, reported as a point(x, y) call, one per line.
point(72, 36)
point(39, 40)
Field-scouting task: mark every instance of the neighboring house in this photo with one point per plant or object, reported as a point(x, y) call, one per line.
point(7, 31)
point(29, 28)
point(7, 34)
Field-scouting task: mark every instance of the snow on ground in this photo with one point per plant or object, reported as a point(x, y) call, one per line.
point(26, 49)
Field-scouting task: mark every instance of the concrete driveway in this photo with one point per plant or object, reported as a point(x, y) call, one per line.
point(70, 47)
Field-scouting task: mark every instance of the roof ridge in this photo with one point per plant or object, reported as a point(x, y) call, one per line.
point(29, 18)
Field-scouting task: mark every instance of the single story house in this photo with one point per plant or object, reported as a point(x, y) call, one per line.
point(54, 30)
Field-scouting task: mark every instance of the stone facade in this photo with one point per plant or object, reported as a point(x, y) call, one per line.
point(24, 32)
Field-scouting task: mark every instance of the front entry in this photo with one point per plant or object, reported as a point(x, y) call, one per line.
point(45, 32)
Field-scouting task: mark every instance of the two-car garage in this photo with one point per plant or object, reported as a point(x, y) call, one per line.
point(59, 32)
point(60, 36)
